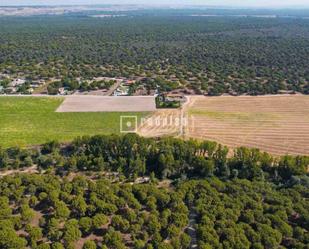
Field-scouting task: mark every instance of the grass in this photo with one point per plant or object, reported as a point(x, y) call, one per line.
point(32, 120)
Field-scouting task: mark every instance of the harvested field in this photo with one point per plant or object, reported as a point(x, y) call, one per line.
point(276, 124)
point(159, 124)
point(166, 122)
point(81, 103)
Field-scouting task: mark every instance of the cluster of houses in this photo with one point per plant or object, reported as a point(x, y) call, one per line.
point(15, 84)
point(122, 87)
point(134, 87)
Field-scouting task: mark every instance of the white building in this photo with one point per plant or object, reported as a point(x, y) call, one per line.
point(17, 82)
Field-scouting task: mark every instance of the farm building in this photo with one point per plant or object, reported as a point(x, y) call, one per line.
point(172, 97)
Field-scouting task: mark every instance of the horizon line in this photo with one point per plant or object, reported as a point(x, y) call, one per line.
point(290, 6)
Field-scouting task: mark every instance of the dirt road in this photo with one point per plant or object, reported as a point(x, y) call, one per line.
point(30, 170)
point(191, 230)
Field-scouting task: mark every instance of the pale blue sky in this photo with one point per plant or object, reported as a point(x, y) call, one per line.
point(235, 3)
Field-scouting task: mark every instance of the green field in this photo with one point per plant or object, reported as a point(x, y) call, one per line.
point(33, 120)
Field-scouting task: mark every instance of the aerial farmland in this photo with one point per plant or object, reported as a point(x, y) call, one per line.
point(275, 124)
point(27, 120)
point(149, 126)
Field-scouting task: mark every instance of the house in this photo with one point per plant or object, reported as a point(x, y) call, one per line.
point(189, 91)
point(121, 91)
point(170, 100)
point(34, 86)
point(62, 91)
point(172, 97)
point(17, 82)
point(129, 82)
point(142, 180)
point(37, 83)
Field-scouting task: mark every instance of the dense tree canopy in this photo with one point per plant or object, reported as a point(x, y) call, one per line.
point(89, 196)
point(212, 55)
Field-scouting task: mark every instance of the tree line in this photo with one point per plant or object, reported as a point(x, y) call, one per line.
point(167, 158)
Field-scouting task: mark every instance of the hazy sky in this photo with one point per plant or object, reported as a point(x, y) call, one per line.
point(236, 3)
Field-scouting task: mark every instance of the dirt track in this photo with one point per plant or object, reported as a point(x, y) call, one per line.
point(29, 170)
point(166, 122)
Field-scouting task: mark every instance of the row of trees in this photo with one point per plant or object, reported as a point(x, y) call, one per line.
point(133, 156)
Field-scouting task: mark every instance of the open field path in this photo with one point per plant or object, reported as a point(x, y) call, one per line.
point(166, 122)
point(30, 170)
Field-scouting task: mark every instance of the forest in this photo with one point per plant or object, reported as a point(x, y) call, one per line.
point(134, 192)
point(210, 55)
